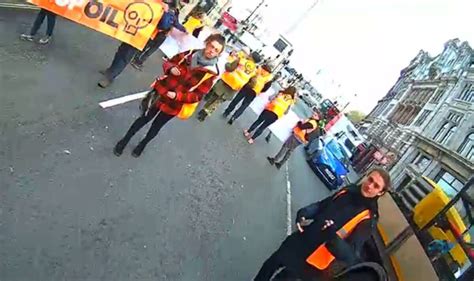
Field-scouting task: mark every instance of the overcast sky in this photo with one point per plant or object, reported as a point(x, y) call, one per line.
point(362, 45)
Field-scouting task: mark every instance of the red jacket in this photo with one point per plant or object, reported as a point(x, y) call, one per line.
point(182, 84)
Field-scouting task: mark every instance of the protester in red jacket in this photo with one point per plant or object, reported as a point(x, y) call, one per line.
point(188, 77)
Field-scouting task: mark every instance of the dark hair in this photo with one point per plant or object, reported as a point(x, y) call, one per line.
point(257, 58)
point(267, 67)
point(385, 176)
point(290, 91)
point(219, 38)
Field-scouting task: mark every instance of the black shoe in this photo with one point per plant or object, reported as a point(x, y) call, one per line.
point(202, 115)
point(231, 121)
point(271, 160)
point(225, 114)
point(119, 147)
point(137, 151)
point(278, 165)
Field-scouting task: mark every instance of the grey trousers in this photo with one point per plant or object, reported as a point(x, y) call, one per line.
point(286, 149)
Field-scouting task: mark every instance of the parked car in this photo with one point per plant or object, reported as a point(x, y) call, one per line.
point(330, 164)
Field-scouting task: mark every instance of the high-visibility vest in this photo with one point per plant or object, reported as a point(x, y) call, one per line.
point(321, 258)
point(188, 109)
point(280, 104)
point(301, 134)
point(240, 76)
point(192, 23)
point(262, 78)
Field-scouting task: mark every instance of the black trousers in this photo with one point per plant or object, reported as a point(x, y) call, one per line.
point(283, 259)
point(150, 48)
point(122, 58)
point(246, 96)
point(265, 119)
point(39, 21)
point(161, 119)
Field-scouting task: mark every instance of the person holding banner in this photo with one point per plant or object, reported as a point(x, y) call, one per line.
point(188, 77)
point(37, 24)
point(168, 21)
point(278, 106)
point(126, 52)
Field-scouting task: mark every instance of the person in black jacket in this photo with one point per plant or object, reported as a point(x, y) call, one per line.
point(340, 224)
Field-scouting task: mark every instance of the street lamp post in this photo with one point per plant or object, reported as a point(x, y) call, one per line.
point(302, 17)
point(246, 21)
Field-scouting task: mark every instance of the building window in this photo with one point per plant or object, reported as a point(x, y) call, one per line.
point(441, 132)
point(422, 117)
point(388, 110)
point(467, 93)
point(449, 183)
point(455, 117)
point(466, 148)
point(437, 97)
point(449, 135)
point(422, 162)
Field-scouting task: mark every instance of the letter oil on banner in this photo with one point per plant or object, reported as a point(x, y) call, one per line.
point(130, 21)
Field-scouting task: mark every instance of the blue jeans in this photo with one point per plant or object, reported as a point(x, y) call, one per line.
point(122, 58)
point(39, 21)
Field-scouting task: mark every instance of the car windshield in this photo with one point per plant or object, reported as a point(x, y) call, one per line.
point(335, 149)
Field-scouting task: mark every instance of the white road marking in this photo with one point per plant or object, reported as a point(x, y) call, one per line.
point(124, 99)
point(288, 202)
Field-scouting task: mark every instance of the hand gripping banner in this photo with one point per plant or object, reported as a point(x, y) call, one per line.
point(130, 21)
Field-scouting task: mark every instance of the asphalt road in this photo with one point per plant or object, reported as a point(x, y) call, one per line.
point(200, 204)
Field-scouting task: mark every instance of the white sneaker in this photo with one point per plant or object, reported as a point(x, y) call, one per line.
point(27, 37)
point(45, 40)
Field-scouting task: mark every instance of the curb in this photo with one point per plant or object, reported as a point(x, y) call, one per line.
point(19, 6)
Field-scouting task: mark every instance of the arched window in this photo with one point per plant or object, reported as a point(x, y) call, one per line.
point(441, 132)
point(466, 148)
point(449, 135)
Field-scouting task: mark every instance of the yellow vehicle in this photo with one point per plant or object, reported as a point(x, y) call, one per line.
point(427, 209)
point(403, 244)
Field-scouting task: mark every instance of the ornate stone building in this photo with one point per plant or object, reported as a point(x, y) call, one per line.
point(427, 120)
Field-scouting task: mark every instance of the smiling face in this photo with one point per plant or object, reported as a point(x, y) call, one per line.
point(213, 49)
point(373, 186)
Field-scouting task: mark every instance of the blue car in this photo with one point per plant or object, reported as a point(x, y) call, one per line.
point(329, 164)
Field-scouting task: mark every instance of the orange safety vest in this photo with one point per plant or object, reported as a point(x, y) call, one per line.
point(280, 104)
point(301, 134)
point(240, 76)
point(321, 258)
point(188, 109)
point(261, 78)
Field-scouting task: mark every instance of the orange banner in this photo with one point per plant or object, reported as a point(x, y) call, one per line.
point(130, 21)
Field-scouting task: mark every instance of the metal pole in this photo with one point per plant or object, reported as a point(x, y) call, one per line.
point(301, 18)
point(254, 10)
